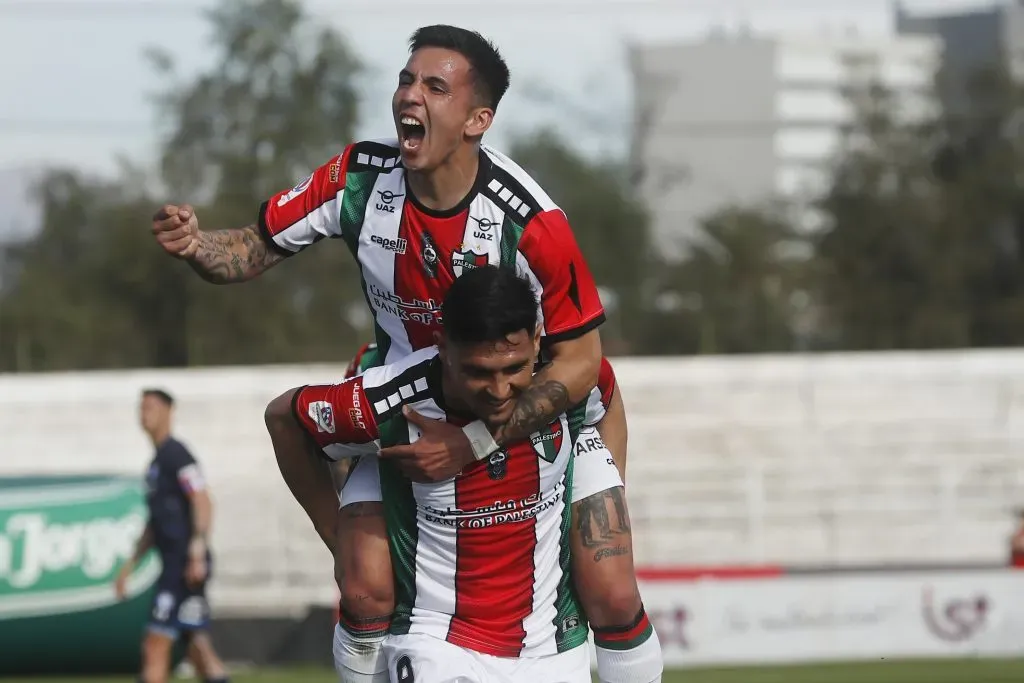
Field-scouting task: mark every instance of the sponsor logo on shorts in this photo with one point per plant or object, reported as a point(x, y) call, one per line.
point(193, 611)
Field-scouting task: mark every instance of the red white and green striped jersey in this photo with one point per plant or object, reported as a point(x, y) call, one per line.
point(480, 560)
point(409, 255)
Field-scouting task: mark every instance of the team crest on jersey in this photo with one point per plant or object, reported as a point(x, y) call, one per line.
point(322, 415)
point(497, 466)
point(548, 441)
point(468, 260)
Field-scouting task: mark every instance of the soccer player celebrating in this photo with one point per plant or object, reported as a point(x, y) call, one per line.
point(481, 561)
point(417, 212)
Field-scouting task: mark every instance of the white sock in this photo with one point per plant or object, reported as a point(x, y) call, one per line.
point(629, 654)
point(359, 659)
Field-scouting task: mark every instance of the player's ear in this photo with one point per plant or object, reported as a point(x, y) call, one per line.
point(442, 348)
point(536, 341)
point(480, 119)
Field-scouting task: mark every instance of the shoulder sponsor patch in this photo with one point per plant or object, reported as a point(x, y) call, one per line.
point(322, 415)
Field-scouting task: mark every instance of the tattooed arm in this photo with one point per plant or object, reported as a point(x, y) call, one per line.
point(564, 382)
point(218, 256)
point(226, 256)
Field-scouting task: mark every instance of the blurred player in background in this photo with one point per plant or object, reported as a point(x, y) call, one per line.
point(417, 212)
point(483, 590)
point(180, 513)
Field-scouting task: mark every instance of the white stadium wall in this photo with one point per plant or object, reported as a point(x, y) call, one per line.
point(798, 460)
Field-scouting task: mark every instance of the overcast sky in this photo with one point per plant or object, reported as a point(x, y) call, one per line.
point(74, 86)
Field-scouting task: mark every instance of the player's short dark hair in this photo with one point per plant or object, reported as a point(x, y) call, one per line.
point(488, 303)
point(488, 68)
point(160, 394)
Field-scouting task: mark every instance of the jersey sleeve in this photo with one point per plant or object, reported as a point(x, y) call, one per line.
point(601, 395)
point(338, 417)
point(363, 359)
point(293, 219)
point(186, 470)
point(569, 300)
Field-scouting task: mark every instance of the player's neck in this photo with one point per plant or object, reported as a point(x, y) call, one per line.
point(159, 436)
point(447, 185)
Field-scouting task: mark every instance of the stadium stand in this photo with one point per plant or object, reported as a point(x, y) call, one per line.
point(801, 460)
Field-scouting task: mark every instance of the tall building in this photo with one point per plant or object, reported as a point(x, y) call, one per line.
point(972, 40)
point(743, 119)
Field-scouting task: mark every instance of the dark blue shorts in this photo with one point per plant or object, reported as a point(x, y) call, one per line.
point(177, 607)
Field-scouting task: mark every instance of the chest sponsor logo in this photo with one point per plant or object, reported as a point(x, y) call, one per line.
point(396, 245)
point(499, 512)
point(424, 312)
point(484, 229)
point(386, 201)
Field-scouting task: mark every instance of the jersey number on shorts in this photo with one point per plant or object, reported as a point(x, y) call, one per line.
point(403, 670)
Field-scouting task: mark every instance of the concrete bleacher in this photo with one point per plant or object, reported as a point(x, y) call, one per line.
point(796, 459)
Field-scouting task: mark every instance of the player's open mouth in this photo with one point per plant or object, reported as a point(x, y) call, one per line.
point(412, 132)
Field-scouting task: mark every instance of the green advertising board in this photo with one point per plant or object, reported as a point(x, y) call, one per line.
point(62, 541)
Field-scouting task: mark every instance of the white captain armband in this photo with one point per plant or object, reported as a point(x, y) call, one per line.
point(480, 439)
point(191, 479)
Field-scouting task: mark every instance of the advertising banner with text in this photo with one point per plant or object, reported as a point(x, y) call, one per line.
point(842, 616)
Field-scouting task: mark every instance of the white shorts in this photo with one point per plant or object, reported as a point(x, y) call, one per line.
point(593, 471)
point(417, 658)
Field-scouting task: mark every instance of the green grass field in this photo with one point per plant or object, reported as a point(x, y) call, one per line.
point(944, 671)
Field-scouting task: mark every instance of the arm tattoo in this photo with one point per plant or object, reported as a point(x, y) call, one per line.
point(535, 409)
point(232, 255)
point(594, 522)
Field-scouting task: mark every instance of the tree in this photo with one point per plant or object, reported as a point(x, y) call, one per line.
point(279, 100)
point(922, 250)
point(738, 290)
point(610, 225)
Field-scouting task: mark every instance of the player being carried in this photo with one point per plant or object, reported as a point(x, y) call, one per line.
point(481, 561)
point(417, 212)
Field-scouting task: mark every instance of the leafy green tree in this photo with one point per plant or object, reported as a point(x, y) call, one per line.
point(923, 246)
point(736, 292)
point(610, 225)
point(91, 290)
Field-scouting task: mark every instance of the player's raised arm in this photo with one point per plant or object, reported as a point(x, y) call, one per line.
point(572, 313)
point(286, 223)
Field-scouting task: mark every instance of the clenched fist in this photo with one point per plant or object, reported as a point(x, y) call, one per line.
point(177, 230)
